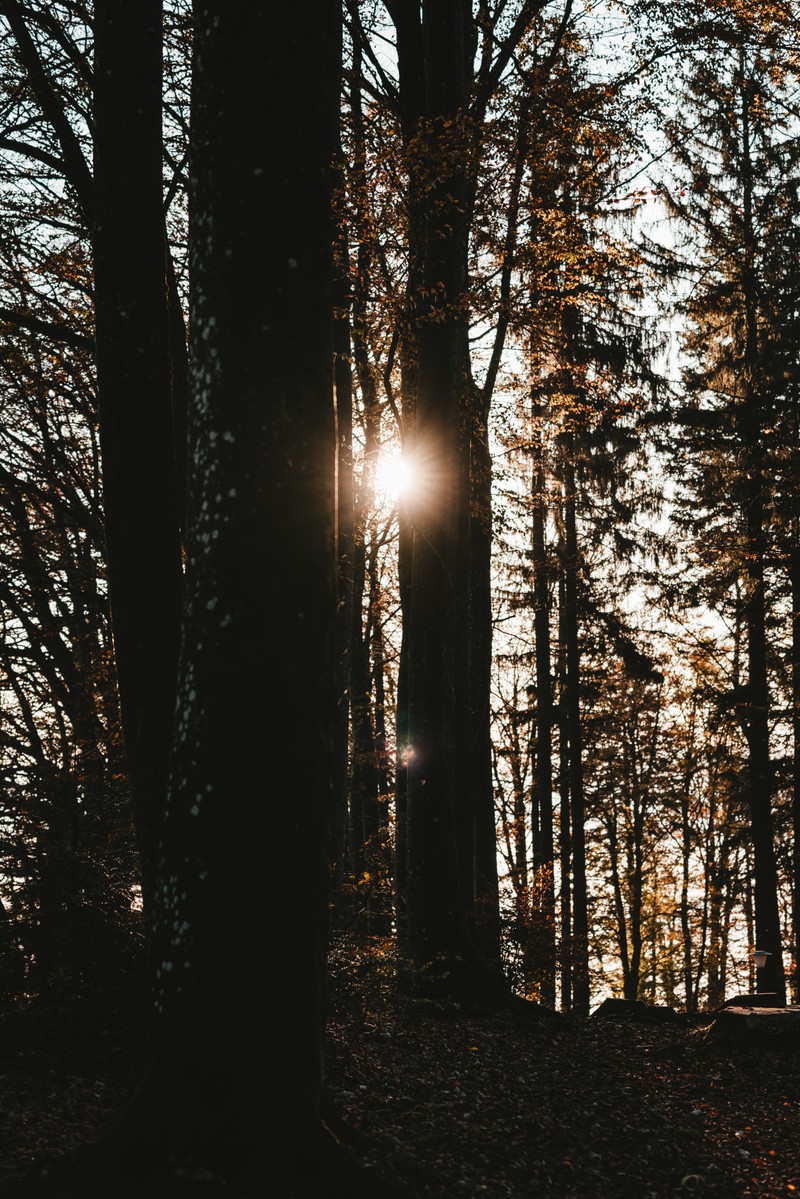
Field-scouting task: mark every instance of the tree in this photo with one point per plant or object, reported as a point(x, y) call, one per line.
point(450, 71)
point(118, 202)
point(135, 381)
point(735, 413)
point(233, 1077)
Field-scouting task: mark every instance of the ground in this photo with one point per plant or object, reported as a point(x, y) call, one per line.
point(458, 1103)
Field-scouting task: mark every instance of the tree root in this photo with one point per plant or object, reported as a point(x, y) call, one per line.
point(476, 989)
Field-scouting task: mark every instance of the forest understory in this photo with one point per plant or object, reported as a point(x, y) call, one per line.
point(452, 1102)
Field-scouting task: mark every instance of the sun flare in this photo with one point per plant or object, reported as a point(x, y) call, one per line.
point(394, 475)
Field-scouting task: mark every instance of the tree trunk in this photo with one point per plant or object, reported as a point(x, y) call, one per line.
point(438, 919)
point(636, 873)
point(256, 715)
point(446, 534)
point(440, 830)
point(233, 1085)
point(564, 836)
point(686, 853)
point(760, 780)
point(760, 783)
point(134, 380)
point(795, 653)
point(628, 990)
point(410, 57)
point(543, 778)
point(478, 695)
point(580, 918)
point(345, 535)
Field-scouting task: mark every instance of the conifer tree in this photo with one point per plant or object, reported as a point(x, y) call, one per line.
point(736, 158)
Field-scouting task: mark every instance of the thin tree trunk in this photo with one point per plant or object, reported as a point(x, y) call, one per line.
point(484, 853)
point(543, 779)
point(795, 653)
point(580, 917)
point(686, 851)
point(760, 780)
point(619, 905)
point(637, 887)
point(565, 837)
point(411, 97)
point(345, 533)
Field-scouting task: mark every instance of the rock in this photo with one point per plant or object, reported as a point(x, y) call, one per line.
point(616, 1009)
point(754, 999)
point(637, 1009)
point(749, 1023)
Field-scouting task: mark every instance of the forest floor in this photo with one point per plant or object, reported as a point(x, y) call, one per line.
point(476, 1105)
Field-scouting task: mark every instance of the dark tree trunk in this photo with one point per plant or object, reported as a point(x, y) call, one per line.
point(345, 534)
point(368, 819)
point(564, 836)
point(687, 842)
point(256, 717)
point(446, 420)
point(628, 988)
point(760, 782)
point(442, 819)
point(752, 487)
point(141, 372)
point(438, 918)
point(478, 694)
point(686, 932)
point(135, 387)
point(369, 831)
point(400, 860)
point(410, 56)
point(636, 874)
point(543, 778)
point(795, 651)
point(382, 857)
point(234, 1081)
point(580, 917)
point(361, 781)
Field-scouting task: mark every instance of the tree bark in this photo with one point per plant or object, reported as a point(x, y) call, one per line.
point(483, 863)
point(580, 916)
point(564, 835)
point(760, 780)
point(795, 683)
point(543, 778)
point(441, 937)
point(135, 390)
point(234, 1080)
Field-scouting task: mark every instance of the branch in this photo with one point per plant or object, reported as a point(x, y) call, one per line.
point(52, 329)
point(359, 34)
point(490, 72)
point(76, 169)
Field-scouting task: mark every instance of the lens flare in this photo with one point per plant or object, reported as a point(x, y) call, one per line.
point(394, 476)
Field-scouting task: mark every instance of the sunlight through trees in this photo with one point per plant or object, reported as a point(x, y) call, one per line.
point(399, 495)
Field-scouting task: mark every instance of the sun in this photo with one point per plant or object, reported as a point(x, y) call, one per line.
point(394, 475)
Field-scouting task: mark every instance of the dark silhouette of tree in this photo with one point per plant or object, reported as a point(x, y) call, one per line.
point(447, 85)
point(140, 350)
point(135, 388)
point(231, 1082)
